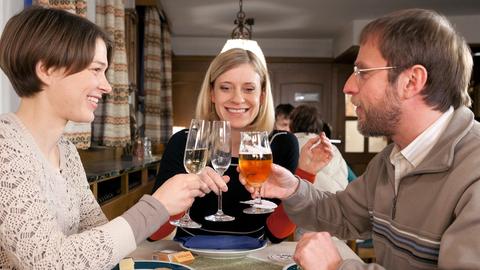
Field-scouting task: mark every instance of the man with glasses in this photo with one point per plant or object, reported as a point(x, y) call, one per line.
point(419, 198)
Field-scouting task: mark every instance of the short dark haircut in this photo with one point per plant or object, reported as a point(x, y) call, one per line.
point(424, 37)
point(55, 37)
point(305, 118)
point(283, 109)
point(327, 129)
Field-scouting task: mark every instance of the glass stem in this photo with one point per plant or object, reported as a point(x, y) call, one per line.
point(220, 211)
point(258, 199)
point(186, 217)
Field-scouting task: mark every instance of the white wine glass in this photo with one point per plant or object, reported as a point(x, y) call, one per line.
point(221, 149)
point(194, 160)
point(255, 162)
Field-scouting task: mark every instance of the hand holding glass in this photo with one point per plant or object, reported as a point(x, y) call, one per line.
point(220, 147)
point(255, 162)
point(194, 160)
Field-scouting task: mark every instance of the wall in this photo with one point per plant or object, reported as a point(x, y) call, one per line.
point(8, 98)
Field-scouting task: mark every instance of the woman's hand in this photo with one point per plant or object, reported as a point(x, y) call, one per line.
point(178, 193)
point(315, 154)
point(281, 183)
point(214, 181)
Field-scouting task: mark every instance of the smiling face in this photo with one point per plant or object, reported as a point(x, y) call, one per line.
point(237, 96)
point(377, 102)
point(75, 97)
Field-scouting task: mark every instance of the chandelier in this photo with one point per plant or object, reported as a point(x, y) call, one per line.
point(241, 36)
point(243, 28)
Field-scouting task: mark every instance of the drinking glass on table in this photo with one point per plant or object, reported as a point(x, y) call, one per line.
point(221, 149)
point(255, 162)
point(194, 160)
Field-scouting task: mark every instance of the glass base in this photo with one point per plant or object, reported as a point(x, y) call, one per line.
point(219, 217)
point(255, 210)
point(186, 223)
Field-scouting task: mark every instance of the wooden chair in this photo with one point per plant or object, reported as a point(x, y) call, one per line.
point(364, 249)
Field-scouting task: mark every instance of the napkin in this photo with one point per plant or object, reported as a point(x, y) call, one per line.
point(221, 242)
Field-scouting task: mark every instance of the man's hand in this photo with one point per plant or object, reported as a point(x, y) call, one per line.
point(280, 184)
point(317, 251)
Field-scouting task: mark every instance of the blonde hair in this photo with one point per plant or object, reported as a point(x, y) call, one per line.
point(227, 61)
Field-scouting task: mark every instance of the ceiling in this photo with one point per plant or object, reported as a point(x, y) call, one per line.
point(292, 19)
point(298, 28)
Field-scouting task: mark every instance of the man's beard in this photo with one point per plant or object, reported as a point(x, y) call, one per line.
point(383, 118)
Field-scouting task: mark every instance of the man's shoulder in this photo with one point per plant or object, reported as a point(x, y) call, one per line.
point(471, 139)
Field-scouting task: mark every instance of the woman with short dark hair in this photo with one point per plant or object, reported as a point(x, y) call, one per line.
point(49, 218)
point(305, 124)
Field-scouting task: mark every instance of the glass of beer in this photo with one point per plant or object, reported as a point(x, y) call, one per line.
point(255, 162)
point(194, 160)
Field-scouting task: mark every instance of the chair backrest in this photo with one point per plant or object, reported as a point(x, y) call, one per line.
point(351, 174)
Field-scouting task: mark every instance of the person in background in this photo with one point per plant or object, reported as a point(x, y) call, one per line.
point(49, 218)
point(419, 198)
point(237, 89)
point(305, 123)
point(282, 116)
point(327, 129)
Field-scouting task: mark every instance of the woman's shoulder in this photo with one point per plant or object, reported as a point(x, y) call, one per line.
point(13, 133)
point(176, 142)
point(278, 136)
point(8, 125)
point(179, 135)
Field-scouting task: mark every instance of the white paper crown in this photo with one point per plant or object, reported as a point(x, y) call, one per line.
point(246, 44)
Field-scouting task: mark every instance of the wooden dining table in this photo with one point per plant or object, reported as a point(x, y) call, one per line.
point(272, 257)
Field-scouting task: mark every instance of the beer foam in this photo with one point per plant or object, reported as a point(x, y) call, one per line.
point(249, 149)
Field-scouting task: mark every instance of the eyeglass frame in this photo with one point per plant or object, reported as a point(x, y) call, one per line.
point(358, 71)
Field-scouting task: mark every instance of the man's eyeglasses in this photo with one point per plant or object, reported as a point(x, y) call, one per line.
point(358, 72)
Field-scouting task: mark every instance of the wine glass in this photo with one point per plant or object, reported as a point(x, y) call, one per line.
point(194, 160)
point(255, 162)
point(221, 146)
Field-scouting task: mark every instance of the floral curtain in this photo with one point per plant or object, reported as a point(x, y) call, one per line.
point(111, 126)
point(157, 78)
point(75, 6)
point(78, 133)
point(166, 107)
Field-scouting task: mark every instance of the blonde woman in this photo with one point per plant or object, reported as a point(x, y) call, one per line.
point(237, 89)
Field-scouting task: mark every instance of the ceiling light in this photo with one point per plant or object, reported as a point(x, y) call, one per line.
point(243, 28)
point(241, 36)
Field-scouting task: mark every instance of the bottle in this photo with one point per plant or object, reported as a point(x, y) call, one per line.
point(138, 149)
point(147, 148)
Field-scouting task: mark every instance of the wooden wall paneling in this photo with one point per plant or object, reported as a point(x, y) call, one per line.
point(340, 74)
point(357, 161)
point(187, 78)
point(186, 87)
point(304, 76)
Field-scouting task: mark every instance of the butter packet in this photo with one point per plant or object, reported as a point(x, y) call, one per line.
point(126, 264)
point(184, 257)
